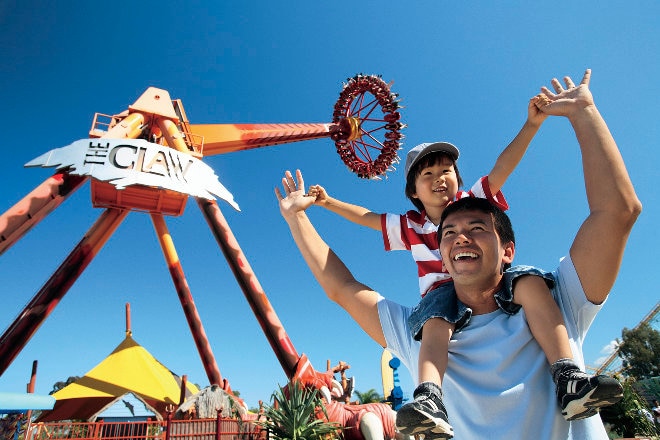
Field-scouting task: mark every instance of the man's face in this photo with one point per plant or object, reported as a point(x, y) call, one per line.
point(471, 248)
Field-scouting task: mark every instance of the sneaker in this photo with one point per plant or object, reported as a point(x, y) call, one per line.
point(425, 415)
point(580, 395)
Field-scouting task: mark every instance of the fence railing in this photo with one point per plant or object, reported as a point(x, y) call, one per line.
point(196, 429)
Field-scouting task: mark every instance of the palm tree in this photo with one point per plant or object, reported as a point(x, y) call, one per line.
point(293, 415)
point(370, 396)
point(59, 385)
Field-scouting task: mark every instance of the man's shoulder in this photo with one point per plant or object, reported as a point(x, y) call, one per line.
point(393, 318)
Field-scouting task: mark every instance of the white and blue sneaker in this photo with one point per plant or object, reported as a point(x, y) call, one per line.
point(580, 395)
point(425, 415)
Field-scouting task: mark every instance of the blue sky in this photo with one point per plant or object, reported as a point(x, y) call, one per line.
point(464, 70)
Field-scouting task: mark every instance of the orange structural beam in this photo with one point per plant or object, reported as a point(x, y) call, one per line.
point(187, 302)
point(43, 303)
point(227, 138)
point(20, 218)
point(254, 293)
point(172, 135)
point(45, 198)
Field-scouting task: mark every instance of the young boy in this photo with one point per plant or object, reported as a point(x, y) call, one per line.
point(433, 182)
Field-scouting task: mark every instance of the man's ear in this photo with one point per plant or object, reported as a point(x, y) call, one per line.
point(509, 252)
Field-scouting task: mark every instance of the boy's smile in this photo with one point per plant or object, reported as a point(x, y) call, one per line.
point(437, 184)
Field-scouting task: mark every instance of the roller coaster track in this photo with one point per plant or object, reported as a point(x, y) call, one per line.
point(615, 354)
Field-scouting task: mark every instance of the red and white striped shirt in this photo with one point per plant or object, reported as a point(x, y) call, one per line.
point(413, 231)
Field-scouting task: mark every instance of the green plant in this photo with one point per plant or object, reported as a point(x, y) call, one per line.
point(626, 417)
point(293, 415)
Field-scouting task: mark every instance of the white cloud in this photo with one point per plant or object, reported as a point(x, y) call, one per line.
point(607, 351)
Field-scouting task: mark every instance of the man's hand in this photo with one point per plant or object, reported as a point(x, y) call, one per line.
point(569, 100)
point(294, 199)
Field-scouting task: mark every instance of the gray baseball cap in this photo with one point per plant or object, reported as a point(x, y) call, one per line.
point(421, 150)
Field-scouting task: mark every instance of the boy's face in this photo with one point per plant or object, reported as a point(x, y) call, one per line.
point(436, 185)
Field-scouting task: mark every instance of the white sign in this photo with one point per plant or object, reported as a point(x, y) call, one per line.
point(127, 162)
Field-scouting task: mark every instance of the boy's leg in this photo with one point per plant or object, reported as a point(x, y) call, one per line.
point(434, 350)
point(543, 317)
point(426, 413)
point(578, 394)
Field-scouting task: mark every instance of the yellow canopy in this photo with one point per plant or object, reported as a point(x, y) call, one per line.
point(129, 368)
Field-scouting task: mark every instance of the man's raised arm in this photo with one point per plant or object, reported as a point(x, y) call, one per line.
point(598, 247)
point(330, 272)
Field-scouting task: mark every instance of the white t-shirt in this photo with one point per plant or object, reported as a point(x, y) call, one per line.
point(498, 383)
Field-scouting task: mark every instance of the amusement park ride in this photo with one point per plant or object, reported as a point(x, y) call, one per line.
point(148, 159)
point(612, 363)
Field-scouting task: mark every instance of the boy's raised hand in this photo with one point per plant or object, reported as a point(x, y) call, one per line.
point(535, 115)
point(319, 192)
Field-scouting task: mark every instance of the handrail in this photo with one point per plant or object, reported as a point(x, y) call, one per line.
point(199, 429)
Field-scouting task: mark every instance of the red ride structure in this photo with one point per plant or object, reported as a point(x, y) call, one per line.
point(365, 127)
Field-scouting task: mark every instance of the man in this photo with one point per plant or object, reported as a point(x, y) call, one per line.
point(497, 375)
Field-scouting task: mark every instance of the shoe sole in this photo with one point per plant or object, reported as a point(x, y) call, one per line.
point(420, 422)
point(606, 393)
point(443, 432)
point(434, 436)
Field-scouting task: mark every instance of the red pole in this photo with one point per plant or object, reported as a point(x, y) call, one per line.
point(184, 382)
point(218, 424)
point(227, 138)
point(43, 303)
point(168, 425)
point(30, 389)
point(187, 302)
point(128, 319)
point(29, 211)
point(247, 280)
point(33, 378)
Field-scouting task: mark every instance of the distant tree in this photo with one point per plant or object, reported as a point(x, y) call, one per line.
point(639, 350)
point(59, 385)
point(370, 396)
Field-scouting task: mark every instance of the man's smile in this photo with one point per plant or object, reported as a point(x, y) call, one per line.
point(465, 255)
